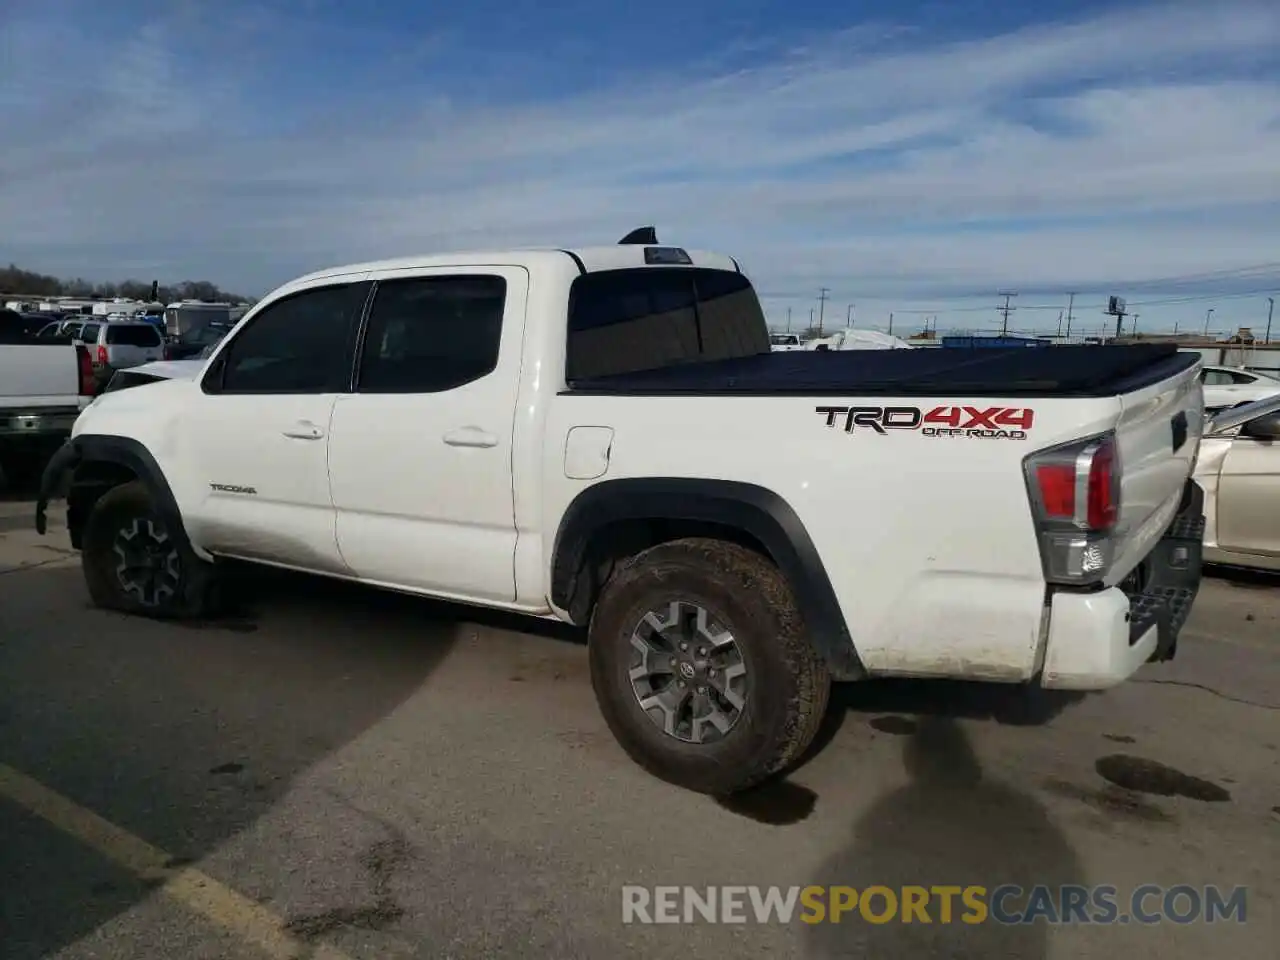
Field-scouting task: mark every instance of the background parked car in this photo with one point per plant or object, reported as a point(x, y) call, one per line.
point(1228, 387)
point(1239, 470)
point(197, 342)
point(56, 330)
point(119, 346)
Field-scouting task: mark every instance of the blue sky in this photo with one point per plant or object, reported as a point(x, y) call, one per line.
point(913, 158)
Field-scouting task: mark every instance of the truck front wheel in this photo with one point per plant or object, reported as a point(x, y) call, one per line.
point(133, 563)
point(702, 668)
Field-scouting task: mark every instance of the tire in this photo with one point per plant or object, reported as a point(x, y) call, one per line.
point(184, 586)
point(780, 698)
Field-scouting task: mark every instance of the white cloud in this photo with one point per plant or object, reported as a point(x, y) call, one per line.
point(1137, 145)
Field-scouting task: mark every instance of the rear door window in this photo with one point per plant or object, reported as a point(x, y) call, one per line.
point(89, 333)
point(432, 334)
point(625, 321)
point(134, 335)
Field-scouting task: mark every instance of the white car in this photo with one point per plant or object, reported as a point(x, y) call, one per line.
point(853, 339)
point(1239, 469)
point(1230, 386)
point(604, 436)
point(783, 342)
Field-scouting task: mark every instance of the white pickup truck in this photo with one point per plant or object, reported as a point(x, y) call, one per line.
point(43, 388)
point(603, 436)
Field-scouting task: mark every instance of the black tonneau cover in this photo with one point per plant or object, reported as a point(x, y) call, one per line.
point(1074, 371)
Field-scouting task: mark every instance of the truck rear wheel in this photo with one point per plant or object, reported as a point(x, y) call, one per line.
point(134, 564)
point(702, 668)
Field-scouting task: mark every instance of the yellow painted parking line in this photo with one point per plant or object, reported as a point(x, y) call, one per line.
point(195, 890)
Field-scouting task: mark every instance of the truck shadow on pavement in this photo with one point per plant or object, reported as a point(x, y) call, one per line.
point(950, 826)
point(184, 738)
point(894, 706)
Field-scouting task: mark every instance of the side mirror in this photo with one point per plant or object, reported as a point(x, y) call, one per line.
point(1265, 427)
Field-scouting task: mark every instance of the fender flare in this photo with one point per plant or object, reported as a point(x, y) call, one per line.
point(88, 449)
point(751, 509)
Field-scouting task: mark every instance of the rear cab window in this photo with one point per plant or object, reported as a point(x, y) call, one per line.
point(133, 335)
point(649, 318)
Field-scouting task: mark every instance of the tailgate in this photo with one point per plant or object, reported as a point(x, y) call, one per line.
point(121, 356)
point(130, 345)
point(38, 374)
point(1159, 437)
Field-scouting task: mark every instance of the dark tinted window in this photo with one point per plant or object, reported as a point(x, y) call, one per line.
point(208, 335)
point(624, 321)
point(429, 334)
point(301, 344)
point(134, 335)
point(89, 333)
point(1225, 378)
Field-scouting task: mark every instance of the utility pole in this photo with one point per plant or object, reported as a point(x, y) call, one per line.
point(1059, 324)
point(1207, 315)
point(788, 319)
point(1134, 331)
point(891, 324)
point(848, 316)
point(1271, 306)
point(1005, 311)
point(822, 305)
point(1071, 302)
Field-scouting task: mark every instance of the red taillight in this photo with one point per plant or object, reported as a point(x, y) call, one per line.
point(102, 356)
point(1089, 471)
point(88, 383)
point(1075, 498)
point(1057, 490)
point(1104, 507)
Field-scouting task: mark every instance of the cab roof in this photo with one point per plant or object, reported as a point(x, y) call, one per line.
point(638, 249)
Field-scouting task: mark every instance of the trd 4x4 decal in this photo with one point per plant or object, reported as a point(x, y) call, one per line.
point(983, 423)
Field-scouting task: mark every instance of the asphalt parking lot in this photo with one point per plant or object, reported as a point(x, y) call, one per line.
point(347, 774)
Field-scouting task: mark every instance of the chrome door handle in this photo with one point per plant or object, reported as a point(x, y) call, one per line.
point(470, 437)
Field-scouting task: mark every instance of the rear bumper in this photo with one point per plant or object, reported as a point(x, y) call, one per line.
point(1100, 639)
point(38, 423)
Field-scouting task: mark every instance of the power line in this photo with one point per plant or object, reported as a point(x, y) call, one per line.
point(1161, 301)
point(1205, 277)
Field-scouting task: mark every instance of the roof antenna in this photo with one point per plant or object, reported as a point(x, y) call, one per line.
point(640, 235)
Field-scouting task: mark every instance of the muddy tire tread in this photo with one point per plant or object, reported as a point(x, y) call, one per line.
point(746, 574)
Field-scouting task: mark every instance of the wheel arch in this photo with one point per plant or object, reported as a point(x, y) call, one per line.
point(102, 462)
point(614, 519)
